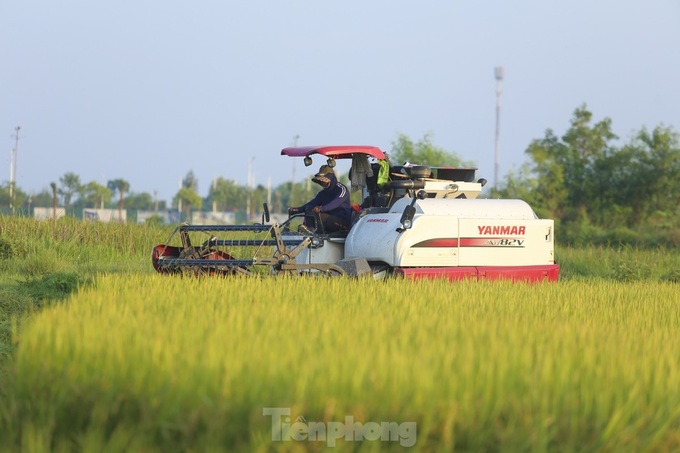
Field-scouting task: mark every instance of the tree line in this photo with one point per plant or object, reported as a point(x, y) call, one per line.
point(224, 195)
point(73, 195)
point(600, 190)
point(597, 188)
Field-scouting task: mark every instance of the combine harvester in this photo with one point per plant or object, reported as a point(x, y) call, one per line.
point(423, 222)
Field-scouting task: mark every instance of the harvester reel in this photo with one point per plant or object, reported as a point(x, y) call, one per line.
point(210, 259)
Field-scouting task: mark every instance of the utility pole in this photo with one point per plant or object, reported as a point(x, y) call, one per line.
point(292, 179)
point(13, 167)
point(54, 200)
point(249, 186)
point(214, 188)
point(179, 200)
point(269, 191)
point(499, 72)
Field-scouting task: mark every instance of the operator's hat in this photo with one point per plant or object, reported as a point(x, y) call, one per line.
point(320, 178)
point(324, 170)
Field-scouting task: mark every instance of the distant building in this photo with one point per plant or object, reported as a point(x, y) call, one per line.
point(168, 216)
point(105, 215)
point(48, 213)
point(212, 218)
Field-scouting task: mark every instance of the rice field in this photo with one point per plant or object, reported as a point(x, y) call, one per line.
point(142, 362)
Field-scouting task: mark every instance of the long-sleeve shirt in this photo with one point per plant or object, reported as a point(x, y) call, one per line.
point(333, 200)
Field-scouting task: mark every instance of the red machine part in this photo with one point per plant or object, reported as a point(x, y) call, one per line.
point(168, 251)
point(548, 272)
point(337, 152)
point(164, 251)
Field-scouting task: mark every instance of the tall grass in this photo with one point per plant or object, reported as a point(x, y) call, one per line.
point(619, 263)
point(30, 247)
point(35, 248)
point(140, 362)
point(44, 261)
point(151, 363)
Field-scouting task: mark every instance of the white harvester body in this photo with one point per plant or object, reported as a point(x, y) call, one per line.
point(415, 221)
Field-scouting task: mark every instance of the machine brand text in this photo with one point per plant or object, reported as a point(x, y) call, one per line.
point(501, 230)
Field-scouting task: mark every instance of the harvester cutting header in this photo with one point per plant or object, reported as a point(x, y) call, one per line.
point(414, 221)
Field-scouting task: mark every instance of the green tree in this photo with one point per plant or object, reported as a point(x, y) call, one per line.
point(227, 195)
point(18, 195)
point(142, 200)
point(155, 221)
point(547, 156)
point(593, 188)
point(258, 196)
point(42, 199)
point(520, 185)
point(281, 197)
point(190, 181)
point(653, 187)
point(423, 152)
point(70, 186)
point(188, 198)
point(569, 171)
point(95, 194)
point(588, 160)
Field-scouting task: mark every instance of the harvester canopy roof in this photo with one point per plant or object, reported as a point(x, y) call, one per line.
point(336, 152)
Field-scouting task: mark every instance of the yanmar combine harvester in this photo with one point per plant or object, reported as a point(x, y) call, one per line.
point(419, 222)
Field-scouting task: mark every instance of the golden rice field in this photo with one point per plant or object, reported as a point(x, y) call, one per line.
point(143, 362)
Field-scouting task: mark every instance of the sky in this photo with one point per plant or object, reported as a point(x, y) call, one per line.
point(149, 90)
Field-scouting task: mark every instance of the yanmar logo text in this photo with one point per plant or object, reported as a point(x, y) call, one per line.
point(501, 230)
point(377, 220)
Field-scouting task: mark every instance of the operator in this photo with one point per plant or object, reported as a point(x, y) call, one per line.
point(331, 204)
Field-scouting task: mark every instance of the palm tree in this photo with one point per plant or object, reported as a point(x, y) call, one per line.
point(54, 199)
point(70, 185)
point(121, 186)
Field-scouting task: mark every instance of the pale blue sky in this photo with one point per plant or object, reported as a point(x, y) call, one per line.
point(148, 90)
